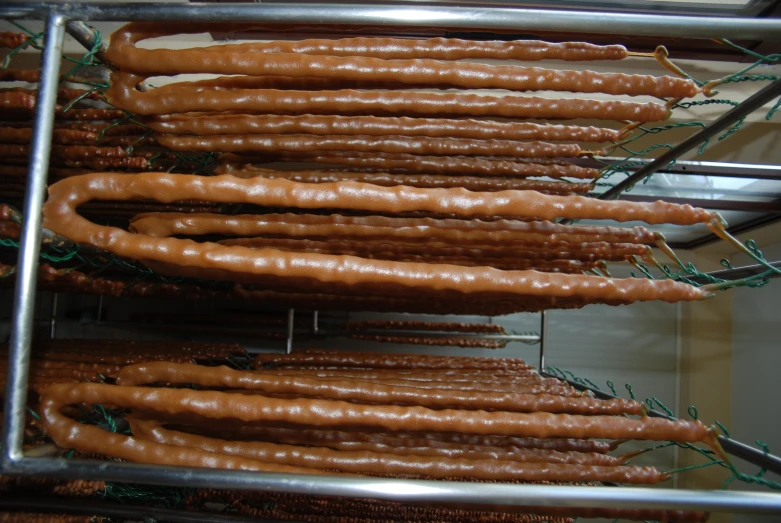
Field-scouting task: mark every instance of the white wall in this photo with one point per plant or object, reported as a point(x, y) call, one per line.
point(756, 362)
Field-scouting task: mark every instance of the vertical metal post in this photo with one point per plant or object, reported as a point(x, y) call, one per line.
point(30, 245)
point(543, 329)
point(315, 322)
point(53, 320)
point(291, 316)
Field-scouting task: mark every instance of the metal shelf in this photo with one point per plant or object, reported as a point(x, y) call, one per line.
point(12, 460)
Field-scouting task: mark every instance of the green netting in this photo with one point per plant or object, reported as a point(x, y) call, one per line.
point(91, 261)
point(712, 459)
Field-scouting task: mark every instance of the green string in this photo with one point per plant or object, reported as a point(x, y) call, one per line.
point(689, 273)
point(751, 78)
point(107, 418)
point(594, 385)
point(709, 455)
point(723, 428)
point(760, 58)
point(170, 497)
point(32, 41)
point(631, 392)
point(612, 387)
point(67, 107)
point(739, 76)
point(33, 413)
point(662, 406)
point(774, 110)
point(693, 467)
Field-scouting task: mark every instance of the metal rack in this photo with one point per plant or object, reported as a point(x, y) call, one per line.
point(57, 16)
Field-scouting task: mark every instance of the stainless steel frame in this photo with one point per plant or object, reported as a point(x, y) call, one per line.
point(13, 461)
point(415, 15)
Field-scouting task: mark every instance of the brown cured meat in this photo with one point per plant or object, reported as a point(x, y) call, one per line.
point(236, 59)
point(379, 228)
point(411, 163)
point(472, 183)
point(124, 53)
point(363, 390)
point(243, 264)
point(10, 40)
point(383, 464)
point(124, 95)
point(254, 143)
point(237, 124)
point(328, 413)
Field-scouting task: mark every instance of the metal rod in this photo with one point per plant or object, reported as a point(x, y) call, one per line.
point(711, 204)
point(315, 322)
point(411, 15)
point(752, 455)
point(543, 332)
point(29, 244)
point(731, 446)
point(291, 316)
point(736, 273)
point(695, 167)
point(722, 123)
point(304, 333)
point(435, 334)
point(53, 320)
point(496, 495)
point(87, 37)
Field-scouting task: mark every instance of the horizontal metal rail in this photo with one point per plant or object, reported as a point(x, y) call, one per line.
point(695, 168)
point(712, 204)
point(497, 495)
point(413, 15)
point(435, 334)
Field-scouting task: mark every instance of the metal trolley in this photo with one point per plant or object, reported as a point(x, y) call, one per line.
point(70, 17)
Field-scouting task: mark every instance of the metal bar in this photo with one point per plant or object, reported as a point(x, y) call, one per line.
point(722, 123)
point(87, 37)
point(291, 316)
point(543, 333)
point(117, 510)
point(496, 495)
point(304, 333)
point(434, 334)
point(697, 168)
point(731, 446)
point(751, 454)
point(714, 205)
point(737, 273)
point(29, 245)
point(410, 15)
point(315, 322)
